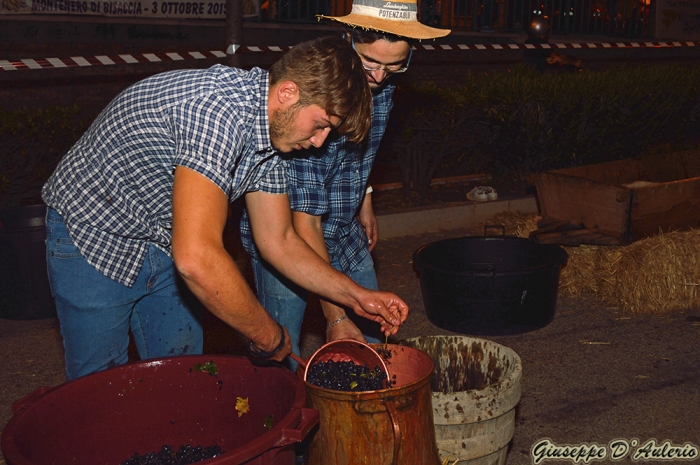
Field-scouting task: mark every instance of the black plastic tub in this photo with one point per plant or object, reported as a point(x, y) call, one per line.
point(25, 293)
point(489, 285)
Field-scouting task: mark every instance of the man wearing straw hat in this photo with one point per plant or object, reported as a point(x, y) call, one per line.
point(138, 206)
point(328, 189)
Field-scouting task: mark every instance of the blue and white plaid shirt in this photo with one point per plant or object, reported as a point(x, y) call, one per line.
point(330, 182)
point(114, 187)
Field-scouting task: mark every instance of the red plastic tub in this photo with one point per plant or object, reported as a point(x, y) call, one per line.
point(106, 417)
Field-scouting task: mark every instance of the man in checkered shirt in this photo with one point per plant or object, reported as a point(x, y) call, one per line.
point(329, 191)
point(137, 207)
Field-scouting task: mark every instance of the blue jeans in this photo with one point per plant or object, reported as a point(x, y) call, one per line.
point(96, 313)
point(286, 302)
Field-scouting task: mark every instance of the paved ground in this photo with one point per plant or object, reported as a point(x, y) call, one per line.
point(640, 380)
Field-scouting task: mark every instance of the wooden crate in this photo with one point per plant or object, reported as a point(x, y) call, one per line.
point(621, 201)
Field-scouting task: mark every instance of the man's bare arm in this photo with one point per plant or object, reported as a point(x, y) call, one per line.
point(281, 246)
point(310, 228)
point(368, 220)
point(200, 209)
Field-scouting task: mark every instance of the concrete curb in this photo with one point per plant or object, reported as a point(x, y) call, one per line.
point(463, 215)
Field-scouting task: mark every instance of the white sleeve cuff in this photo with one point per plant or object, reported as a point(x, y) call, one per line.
point(369, 190)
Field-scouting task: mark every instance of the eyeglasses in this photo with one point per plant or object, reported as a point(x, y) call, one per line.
point(389, 69)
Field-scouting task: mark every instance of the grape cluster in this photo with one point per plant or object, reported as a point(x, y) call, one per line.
point(346, 376)
point(384, 353)
point(167, 456)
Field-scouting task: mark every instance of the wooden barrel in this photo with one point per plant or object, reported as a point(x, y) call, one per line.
point(476, 385)
point(385, 427)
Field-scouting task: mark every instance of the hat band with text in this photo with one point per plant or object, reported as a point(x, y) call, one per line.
point(390, 10)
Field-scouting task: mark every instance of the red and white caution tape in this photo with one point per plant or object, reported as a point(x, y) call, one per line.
point(585, 45)
point(104, 60)
point(99, 60)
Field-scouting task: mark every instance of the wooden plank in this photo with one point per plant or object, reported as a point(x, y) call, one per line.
point(598, 196)
point(665, 207)
point(574, 238)
point(548, 224)
point(664, 167)
point(566, 234)
point(584, 201)
point(669, 167)
point(614, 172)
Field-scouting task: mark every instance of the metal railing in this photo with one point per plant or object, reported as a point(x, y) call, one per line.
point(623, 18)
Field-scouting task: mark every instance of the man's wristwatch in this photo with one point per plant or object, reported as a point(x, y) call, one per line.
point(258, 352)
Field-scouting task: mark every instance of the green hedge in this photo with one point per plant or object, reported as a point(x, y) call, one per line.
point(32, 142)
point(513, 124)
point(509, 124)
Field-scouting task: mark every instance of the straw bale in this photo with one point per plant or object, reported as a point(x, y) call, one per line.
point(515, 223)
point(657, 274)
point(654, 275)
point(580, 274)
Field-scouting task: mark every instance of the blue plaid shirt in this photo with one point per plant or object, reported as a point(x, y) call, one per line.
point(114, 187)
point(330, 182)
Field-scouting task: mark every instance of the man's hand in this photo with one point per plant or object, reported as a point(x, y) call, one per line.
point(286, 348)
point(346, 329)
point(368, 220)
point(280, 244)
point(385, 308)
point(340, 326)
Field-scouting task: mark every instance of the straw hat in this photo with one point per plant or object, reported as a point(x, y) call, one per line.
point(399, 17)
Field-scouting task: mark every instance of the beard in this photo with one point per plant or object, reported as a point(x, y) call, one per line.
point(282, 124)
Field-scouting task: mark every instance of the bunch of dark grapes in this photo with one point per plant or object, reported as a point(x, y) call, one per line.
point(384, 353)
point(346, 376)
point(167, 456)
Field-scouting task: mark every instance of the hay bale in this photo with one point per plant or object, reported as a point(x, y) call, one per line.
point(654, 275)
point(515, 223)
point(580, 274)
point(657, 274)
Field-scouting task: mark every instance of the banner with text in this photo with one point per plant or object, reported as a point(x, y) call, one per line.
point(678, 19)
point(178, 9)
